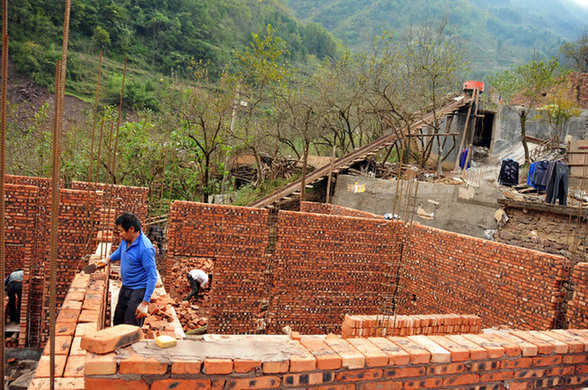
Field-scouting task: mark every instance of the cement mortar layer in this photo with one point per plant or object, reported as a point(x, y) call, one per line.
point(455, 208)
point(246, 347)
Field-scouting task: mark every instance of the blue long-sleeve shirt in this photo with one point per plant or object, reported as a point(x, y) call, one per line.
point(137, 266)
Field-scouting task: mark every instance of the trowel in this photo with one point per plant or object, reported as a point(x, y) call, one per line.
point(91, 268)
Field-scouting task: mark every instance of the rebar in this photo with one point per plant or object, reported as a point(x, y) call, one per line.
point(2, 172)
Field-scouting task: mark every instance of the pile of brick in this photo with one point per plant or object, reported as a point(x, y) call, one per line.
point(161, 316)
point(360, 326)
point(192, 314)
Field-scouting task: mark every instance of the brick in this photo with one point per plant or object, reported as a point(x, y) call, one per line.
point(335, 387)
point(396, 355)
point(326, 358)
point(581, 369)
point(543, 347)
point(218, 366)
point(558, 345)
point(575, 359)
point(388, 385)
point(573, 335)
point(510, 349)
point(547, 360)
point(115, 384)
point(65, 329)
point(527, 348)
point(244, 366)
point(110, 339)
point(72, 305)
point(350, 357)
point(263, 382)
point(67, 315)
point(526, 374)
point(496, 376)
point(76, 347)
point(89, 316)
point(62, 345)
point(517, 363)
point(427, 383)
point(494, 349)
point(520, 385)
point(74, 367)
point(464, 379)
point(83, 329)
point(374, 357)
point(476, 351)
point(276, 367)
point(186, 366)
point(359, 375)
point(138, 364)
point(100, 364)
point(418, 354)
point(458, 353)
point(181, 384)
point(313, 378)
point(574, 346)
point(59, 384)
point(485, 365)
point(43, 367)
point(561, 371)
point(301, 360)
point(438, 353)
point(404, 372)
point(446, 369)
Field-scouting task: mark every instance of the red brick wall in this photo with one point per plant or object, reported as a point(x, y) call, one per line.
point(505, 285)
point(235, 238)
point(517, 360)
point(73, 242)
point(327, 266)
point(331, 209)
point(578, 306)
point(125, 198)
point(316, 268)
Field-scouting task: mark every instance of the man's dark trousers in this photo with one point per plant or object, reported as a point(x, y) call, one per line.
point(14, 289)
point(128, 300)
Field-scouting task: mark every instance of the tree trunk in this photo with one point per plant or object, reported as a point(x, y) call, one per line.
point(523, 121)
point(303, 179)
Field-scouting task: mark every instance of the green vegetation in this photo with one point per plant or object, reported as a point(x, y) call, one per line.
point(498, 34)
point(160, 37)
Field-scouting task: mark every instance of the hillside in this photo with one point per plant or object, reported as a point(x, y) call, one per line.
point(500, 32)
point(159, 38)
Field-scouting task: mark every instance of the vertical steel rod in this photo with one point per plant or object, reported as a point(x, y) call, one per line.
point(2, 172)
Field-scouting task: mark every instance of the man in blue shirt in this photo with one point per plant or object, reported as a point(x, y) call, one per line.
point(137, 269)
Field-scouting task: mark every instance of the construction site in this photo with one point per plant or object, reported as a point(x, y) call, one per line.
point(377, 279)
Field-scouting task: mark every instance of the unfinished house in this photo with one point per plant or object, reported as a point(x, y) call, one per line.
point(324, 298)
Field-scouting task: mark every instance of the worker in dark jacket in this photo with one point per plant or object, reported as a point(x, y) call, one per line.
point(13, 286)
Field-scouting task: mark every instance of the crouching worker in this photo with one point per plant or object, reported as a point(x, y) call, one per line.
point(198, 279)
point(137, 270)
point(13, 286)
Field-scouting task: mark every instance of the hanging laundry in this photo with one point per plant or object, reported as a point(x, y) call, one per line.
point(462, 159)
point(539, 174)
point(509, 172)
point(557, 183)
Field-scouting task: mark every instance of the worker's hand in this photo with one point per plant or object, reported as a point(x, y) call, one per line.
point(142, 310)
point(102, 263)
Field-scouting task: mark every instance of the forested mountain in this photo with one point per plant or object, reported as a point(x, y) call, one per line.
point(157, 36)
point(500, 32)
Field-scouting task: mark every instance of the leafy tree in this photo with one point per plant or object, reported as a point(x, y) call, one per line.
point(262, 73)
point(560, 108)
point(576, 54)
point(522, 89)
point(101, 38)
